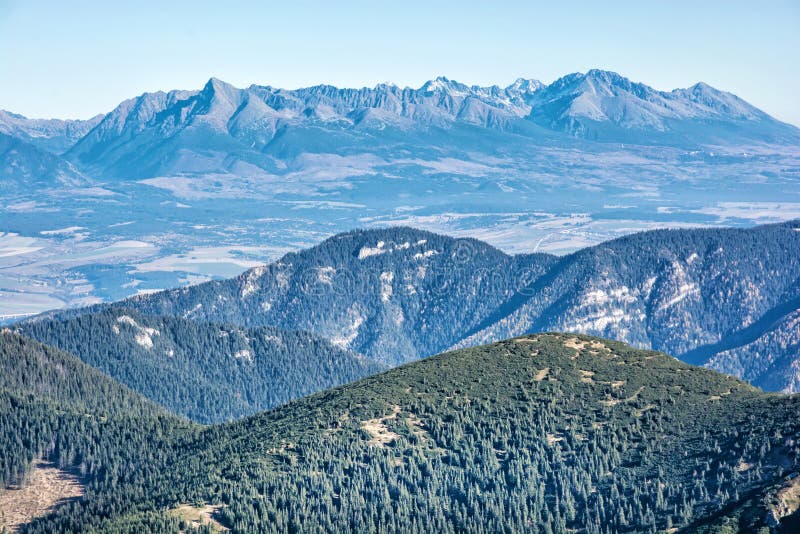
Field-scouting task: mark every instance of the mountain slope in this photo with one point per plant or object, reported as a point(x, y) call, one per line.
point(44, 373)
point(604, 105)
point(208, 373)
point(776, 365)
point(399, 294)
point(550, 432)
point(51, 135)
point(134, 138)
point(394, 295)
point(25, 168)
point(670, 290)
point(54, 407)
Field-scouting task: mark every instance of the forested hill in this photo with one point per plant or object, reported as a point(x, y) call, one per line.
point(399, 294)
point(207, 372)
point(45, 374)
point(547, 433)
point(394, 295)
point(54, 407)
point(675, 291)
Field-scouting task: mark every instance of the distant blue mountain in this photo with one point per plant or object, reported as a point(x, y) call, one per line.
point(605, 106)
point(727, 298)
point(52, 135)
point(221, 128)
point(27, 167)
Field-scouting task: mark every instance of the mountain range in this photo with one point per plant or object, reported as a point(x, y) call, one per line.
point(726, 298)
point(225, 129)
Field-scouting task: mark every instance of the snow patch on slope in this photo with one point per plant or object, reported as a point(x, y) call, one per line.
point(325, 274)
point(386, 285)
point(683, 291)
point(143, 335)
point(350, 332)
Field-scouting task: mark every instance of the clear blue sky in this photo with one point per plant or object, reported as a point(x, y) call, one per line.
point(77, 58)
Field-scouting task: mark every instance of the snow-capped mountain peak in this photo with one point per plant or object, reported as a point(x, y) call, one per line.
point(598, 104)
point(524, 86)
point(441, 84)
point(721, 103)
point(601, 104)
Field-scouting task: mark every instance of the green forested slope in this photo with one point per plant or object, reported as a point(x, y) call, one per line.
point(550, 433)
point(53, 406)
point(208, 372)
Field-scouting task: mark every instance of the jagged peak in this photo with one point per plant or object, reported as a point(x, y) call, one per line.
point(608, 75)
point(215, 86)
point(386, 85)
point(702, 86)
point(217, 83)
point(597, 78)
point(719, 101)
point(441, 84)
point(525, 85)
point(704, 89)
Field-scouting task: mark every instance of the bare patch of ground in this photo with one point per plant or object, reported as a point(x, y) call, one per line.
point(198, 516)
point(552, 439)
point(641, 411)
point(719, 397)
point(594, 347)
point(47, 488)
point(586, 376)
point(574, 343)
point(788, 500)
point(381, 435)
point(614, 402)
point(377, 429)
point(541, 374)
point(743, 466)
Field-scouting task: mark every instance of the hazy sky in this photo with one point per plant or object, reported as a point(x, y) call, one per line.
point(79, 58)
